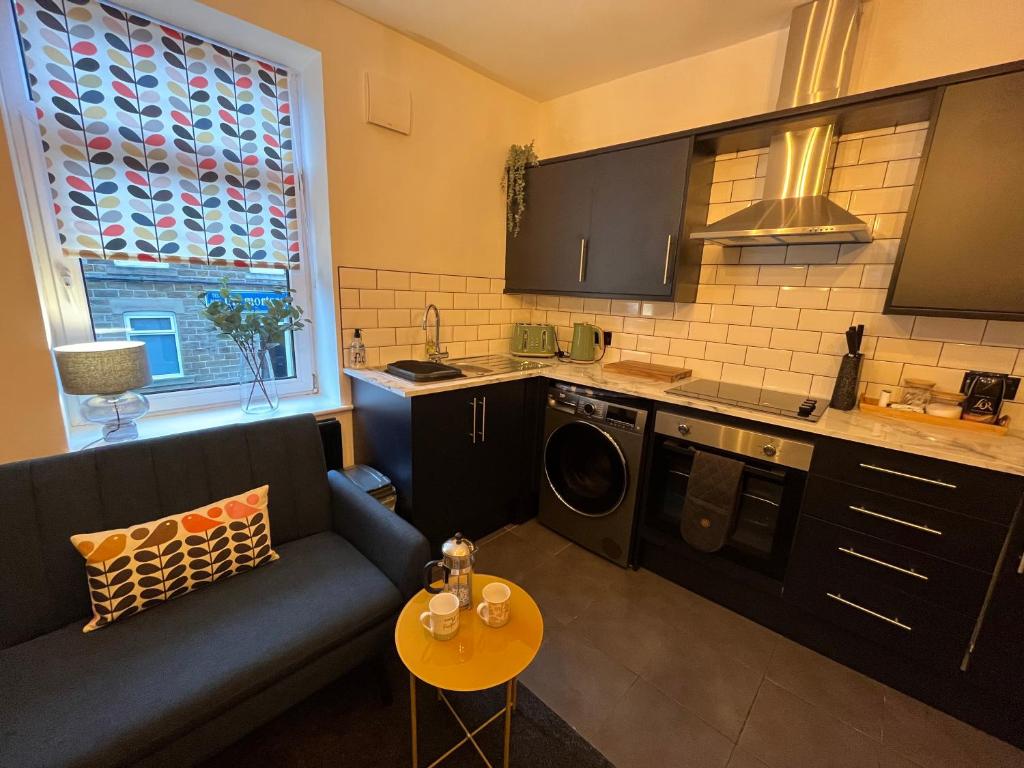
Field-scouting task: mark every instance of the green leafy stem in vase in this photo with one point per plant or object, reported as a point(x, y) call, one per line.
point(254, 331)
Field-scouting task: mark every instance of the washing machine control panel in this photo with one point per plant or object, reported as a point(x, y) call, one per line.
point(619, 416)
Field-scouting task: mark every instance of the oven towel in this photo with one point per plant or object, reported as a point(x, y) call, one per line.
point(712, 496)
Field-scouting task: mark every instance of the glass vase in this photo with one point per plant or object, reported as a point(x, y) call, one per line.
point(257, 390)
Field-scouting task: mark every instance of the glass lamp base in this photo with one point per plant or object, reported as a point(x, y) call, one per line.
point(117, 414)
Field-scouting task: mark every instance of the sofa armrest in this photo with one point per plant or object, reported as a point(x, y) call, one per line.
point(384, 538)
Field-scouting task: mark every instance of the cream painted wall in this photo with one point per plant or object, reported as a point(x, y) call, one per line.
point(30, 419)
point(900, 41)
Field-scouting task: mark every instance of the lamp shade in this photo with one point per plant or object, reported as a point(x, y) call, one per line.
point(102, 367)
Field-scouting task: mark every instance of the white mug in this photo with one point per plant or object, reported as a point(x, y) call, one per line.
point(496, 607)
point(442, 620)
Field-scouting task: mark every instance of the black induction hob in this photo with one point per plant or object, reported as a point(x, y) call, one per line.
point(793, 404)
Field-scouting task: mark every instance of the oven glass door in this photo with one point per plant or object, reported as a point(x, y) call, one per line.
point(766, 512)
point(586, 469)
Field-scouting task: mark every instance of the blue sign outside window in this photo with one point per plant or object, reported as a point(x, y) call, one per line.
point(258, 300)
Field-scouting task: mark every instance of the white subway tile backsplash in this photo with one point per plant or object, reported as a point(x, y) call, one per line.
point(763, 254)
point(857, 299)
point(718, 211)
point(466, 301)
point(828, 320)
point(657, 309)
point(775, 317)
point(640, 325)
point(796, 341)
point(885, 200)
point(731, 313)
point(782, 275)
point(478, 285)
point(736, 274)
point(975, 357)
point(714, 294)
point(687, 348)
point(897, 146)
point(787, 381)
point(736, 168)
point(756, 296)
point(853, 136)
point(908, 351)
point(570, 303)
point(749, 335)
point(875, 252)
point(901, 172)
point(817, 253)
point(704, 369)
point(847, 153)
point(948, 329)
point(748, 189)
point(1003, 333)
point(876, 276)
point(742, 374)
point(625, 308)
point(763, 357)
point(888, 225)
point(725, 353)
point(835, 275)
point(863, 176)
point(349, 277)
point(946, 379)
point(658, 344)
point(881, 372)
point(608, 322)
point(597, 306)
point(815, 363)
point(708, 331)
point(811, 298)
point(721, 192)
point(395, 280)
point(673, 329)
point(699, 312)
point(876, 324)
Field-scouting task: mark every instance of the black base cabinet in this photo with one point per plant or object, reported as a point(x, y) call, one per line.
point(460, 460)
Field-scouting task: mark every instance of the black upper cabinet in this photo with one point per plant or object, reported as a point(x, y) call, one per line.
point(607, 224)
point(635, 220)
point(548, 252)
point(961, 250)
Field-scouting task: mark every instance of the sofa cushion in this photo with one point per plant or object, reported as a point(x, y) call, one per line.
point(133, 569)
point(111, 697)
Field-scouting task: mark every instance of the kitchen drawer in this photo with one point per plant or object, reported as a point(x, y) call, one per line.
point(847, 552)
point(981, 493)
point(880, 613)
point(938, 532)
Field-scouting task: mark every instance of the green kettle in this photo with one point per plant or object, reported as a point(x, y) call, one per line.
point(587, 343)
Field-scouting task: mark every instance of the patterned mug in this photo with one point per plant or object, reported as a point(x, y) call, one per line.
point(442, 620)
point(496, 607)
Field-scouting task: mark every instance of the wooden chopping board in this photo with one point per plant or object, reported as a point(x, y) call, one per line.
point(648, 370)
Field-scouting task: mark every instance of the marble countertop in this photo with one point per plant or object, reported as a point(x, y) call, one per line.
point(1000, 453)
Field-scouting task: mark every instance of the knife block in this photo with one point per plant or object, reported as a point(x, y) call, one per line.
point(844, 395)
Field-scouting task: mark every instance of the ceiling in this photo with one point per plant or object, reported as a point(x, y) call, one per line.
point(547, 48)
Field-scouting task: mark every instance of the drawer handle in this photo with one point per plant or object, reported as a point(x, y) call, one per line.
point(850, 551)
point(887, 471)
point(869, 612)
point(896, 520)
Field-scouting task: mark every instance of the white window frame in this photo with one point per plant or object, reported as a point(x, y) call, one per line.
point(59, 279)
point(134, 335)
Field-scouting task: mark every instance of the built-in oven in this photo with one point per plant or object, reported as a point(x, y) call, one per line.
point(771, 490)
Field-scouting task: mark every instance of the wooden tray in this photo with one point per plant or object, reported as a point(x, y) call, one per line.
point(870, 405)
point(648, 370)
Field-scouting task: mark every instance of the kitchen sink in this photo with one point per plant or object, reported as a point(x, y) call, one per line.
point(491, 365)
point(423, 370)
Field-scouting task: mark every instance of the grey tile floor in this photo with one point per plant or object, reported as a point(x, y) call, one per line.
point(657, 677)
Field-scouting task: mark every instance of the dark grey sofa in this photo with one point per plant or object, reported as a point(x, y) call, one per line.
point(175, 684)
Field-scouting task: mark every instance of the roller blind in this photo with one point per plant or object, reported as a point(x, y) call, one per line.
point(160, 145)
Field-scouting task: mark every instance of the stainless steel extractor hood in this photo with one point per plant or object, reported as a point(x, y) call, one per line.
point(795, 208)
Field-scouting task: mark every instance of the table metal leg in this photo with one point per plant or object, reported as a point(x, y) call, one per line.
point(510, 697)
point(412, 710)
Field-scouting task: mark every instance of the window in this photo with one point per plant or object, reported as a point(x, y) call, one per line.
point(159, 332)
point(142, 187)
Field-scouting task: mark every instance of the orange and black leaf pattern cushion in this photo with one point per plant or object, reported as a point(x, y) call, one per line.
point(132, 569)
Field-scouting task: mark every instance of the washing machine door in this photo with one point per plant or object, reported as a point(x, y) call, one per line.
point(586, 468)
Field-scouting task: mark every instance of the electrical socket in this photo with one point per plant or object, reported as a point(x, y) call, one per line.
point(607, 338)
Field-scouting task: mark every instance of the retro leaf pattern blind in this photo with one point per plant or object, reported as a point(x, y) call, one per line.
point(160, 146)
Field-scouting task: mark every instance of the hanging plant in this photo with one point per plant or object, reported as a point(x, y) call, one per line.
point(520, 157)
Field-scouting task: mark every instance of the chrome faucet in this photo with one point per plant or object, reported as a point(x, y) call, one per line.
point(434, 352)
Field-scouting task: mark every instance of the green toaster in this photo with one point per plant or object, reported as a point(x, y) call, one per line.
point(534, 340)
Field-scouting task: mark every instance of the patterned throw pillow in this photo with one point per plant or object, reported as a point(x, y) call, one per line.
point(132, 569)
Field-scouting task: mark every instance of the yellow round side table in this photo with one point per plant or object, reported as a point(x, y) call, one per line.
point(477, 658)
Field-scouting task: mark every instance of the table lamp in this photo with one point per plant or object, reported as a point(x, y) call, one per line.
point(109, 371)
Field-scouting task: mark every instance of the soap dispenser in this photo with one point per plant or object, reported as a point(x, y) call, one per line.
point(357, 351)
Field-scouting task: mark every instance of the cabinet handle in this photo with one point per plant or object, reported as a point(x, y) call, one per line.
point(668, 256)
point(850, 551)
point(1020, 565)
point(887, 471)
point(472, 433)
point(869, 612)
point(483, 419)
point(583, 258)
point(896, 520)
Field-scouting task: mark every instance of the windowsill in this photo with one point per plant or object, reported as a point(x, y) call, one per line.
point(159, 424)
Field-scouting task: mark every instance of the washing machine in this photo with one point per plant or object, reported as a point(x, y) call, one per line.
point(593, 448)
